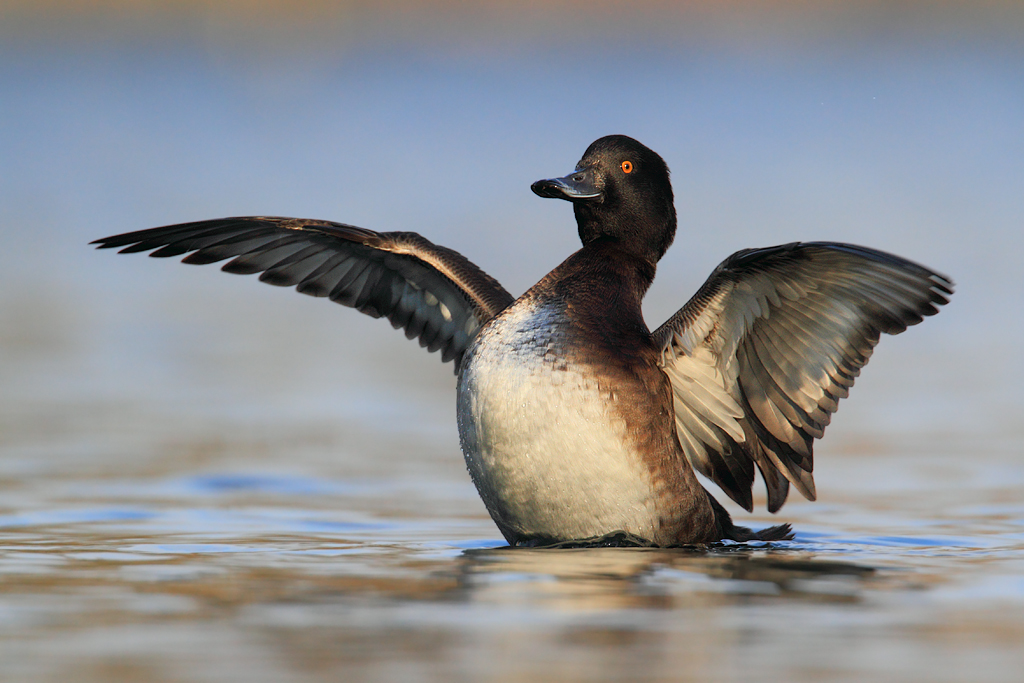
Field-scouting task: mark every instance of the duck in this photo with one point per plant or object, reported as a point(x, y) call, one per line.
point(578, 424)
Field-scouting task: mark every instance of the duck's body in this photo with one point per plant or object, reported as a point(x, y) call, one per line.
point(579, 444)
point(576, 421)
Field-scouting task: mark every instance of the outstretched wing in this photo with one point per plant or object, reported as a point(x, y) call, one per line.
point(762, 353)
point(435, 294)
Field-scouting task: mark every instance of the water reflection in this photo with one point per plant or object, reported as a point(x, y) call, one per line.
point(249, 571)
point(618, 578)
point(196, 591)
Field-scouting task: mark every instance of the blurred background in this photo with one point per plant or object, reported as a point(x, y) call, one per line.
point(163, 424)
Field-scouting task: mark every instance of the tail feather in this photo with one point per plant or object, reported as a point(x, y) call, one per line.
point(782, 532)
point(733, 532)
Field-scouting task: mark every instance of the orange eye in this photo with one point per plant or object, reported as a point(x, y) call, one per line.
point(627, 167)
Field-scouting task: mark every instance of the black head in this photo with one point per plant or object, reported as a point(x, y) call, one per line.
point(620, 191)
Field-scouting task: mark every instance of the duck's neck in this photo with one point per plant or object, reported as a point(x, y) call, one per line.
point(647, 235)
point(604, 283)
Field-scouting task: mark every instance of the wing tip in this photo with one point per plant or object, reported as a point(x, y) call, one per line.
point(113, 242)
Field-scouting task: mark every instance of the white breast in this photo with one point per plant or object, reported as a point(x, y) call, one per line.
point(545, 447)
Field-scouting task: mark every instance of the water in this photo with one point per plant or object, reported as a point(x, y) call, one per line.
point(205, 478)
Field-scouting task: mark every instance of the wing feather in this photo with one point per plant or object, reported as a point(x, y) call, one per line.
point(761, 355)
point(435, 294)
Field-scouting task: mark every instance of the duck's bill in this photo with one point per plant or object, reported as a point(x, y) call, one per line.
point(575, 187)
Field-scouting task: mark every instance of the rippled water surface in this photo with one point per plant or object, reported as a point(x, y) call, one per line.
point(205, 478)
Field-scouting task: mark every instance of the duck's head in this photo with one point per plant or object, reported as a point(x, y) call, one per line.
point(621, 191)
